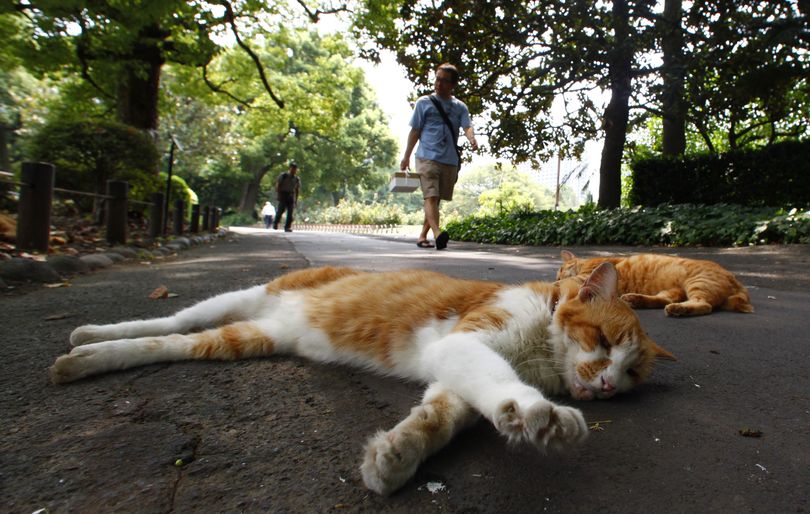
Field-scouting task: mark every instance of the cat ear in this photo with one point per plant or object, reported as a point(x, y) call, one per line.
point(660, 353)
point(603, 283)
point(567, 256)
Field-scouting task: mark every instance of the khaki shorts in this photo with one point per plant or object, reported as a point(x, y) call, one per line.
point(436, 179)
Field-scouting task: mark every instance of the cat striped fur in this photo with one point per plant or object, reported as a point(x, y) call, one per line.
point(683, 287)
point(483, 348)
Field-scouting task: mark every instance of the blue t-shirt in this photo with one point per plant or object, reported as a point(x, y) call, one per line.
point(436, 141)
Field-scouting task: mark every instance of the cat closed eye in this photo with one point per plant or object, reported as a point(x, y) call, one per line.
point(633, 373)
point(603, 342)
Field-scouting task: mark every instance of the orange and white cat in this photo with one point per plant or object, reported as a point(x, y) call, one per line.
point(684, 287)
point(483, 348)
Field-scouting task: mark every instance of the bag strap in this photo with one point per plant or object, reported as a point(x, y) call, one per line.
point(446, 119)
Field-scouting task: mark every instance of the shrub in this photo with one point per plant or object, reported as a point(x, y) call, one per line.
point(88, 153)
point(357, 213)
point(670, 225)
point(776, 175)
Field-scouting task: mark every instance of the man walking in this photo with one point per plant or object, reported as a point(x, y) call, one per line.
point(288, 186)
point(435, 124)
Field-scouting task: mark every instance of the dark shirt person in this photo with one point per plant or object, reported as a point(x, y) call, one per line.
point(288, 185)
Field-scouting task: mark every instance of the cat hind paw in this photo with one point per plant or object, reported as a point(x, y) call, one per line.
point(542, 424)
point(86, 334)
point(389, 462)
point(70, 367)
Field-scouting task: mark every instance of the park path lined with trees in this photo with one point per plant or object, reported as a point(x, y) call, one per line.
point(236, 89)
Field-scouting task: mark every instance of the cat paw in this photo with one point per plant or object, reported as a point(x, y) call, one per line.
point(86, 334)
point(636, 301)
point(70, 367)
point(542, 424)
point(389, 462)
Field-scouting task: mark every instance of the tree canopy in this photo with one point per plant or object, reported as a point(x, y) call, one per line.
point(539, 80)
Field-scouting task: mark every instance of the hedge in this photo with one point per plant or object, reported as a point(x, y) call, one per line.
point(776, 176)
point(667, 225)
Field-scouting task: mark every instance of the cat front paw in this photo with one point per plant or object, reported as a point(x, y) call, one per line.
point(636, 301)
point(390, 461)
point(542, 424)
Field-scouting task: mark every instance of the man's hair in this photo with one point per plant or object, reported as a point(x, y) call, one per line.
point(294, 165)
point(451, 69)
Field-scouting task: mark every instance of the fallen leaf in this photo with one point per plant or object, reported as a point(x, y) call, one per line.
point(749, 432)
point(160, 292)
point(172, 295)
point(597, 425)
point(56, 284)
point(54, 317)
point(283, 266)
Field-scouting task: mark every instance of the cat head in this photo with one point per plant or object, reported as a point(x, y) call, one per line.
point(569, 266)
point(604, 347)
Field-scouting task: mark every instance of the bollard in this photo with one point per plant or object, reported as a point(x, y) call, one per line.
point(195, 219)
point(214, 218)
point(34, 208)
point(117, 211)
point(206, 218)
point(156, 215)
point(179, 212)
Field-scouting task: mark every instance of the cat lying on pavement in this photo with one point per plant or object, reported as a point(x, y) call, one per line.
point(483, 348)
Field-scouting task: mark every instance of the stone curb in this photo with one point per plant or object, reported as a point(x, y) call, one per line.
point(57, 268)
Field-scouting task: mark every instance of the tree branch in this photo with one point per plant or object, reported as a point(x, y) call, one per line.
point(217, 89)
point(314, 16)
point(229, 18)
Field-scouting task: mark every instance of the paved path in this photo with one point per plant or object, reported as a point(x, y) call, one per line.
point(284, 435)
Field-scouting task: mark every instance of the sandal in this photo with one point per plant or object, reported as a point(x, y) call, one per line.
point(441, 241)
point(424, 244)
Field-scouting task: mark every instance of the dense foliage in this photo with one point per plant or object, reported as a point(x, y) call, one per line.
point(668, 225)
point(732, 72)
point(89, 153)
point(771, 176)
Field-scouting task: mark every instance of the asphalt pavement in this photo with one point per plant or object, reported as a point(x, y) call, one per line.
point(726, 428)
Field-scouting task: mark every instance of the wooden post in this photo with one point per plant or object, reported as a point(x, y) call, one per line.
point(156, 216)
point(117, 211)
point(195, 218)
point(34, 208)
point(179, 214)
point(214, 218)
point(206, 218)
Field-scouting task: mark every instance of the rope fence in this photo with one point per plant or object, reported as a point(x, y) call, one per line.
point(36, 191)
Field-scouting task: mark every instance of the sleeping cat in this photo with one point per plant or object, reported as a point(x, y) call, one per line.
point(684, 287)
point(483, 348)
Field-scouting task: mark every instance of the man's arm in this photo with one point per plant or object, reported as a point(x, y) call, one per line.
point(470, 135)
point(413, 137)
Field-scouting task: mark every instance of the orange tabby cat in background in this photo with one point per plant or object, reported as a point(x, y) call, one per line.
point(684, 287)
point(483, 348)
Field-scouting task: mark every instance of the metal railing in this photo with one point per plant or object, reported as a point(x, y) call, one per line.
point(36, 188)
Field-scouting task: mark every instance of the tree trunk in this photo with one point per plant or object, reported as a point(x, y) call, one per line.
point(617, 112)
point(673, 104)
point(138, 89)
point(5, 155)
point(250, 195)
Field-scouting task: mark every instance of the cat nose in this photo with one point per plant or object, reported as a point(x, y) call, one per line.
point(607, 386)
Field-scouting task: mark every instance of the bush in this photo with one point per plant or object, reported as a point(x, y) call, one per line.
point(669, 225)
point(351, 212)
point(237, 219)
point(776, 175)
point(88, 153)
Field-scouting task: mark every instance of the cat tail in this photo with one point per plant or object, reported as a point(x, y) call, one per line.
point(230, 342)
point(738, 302)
